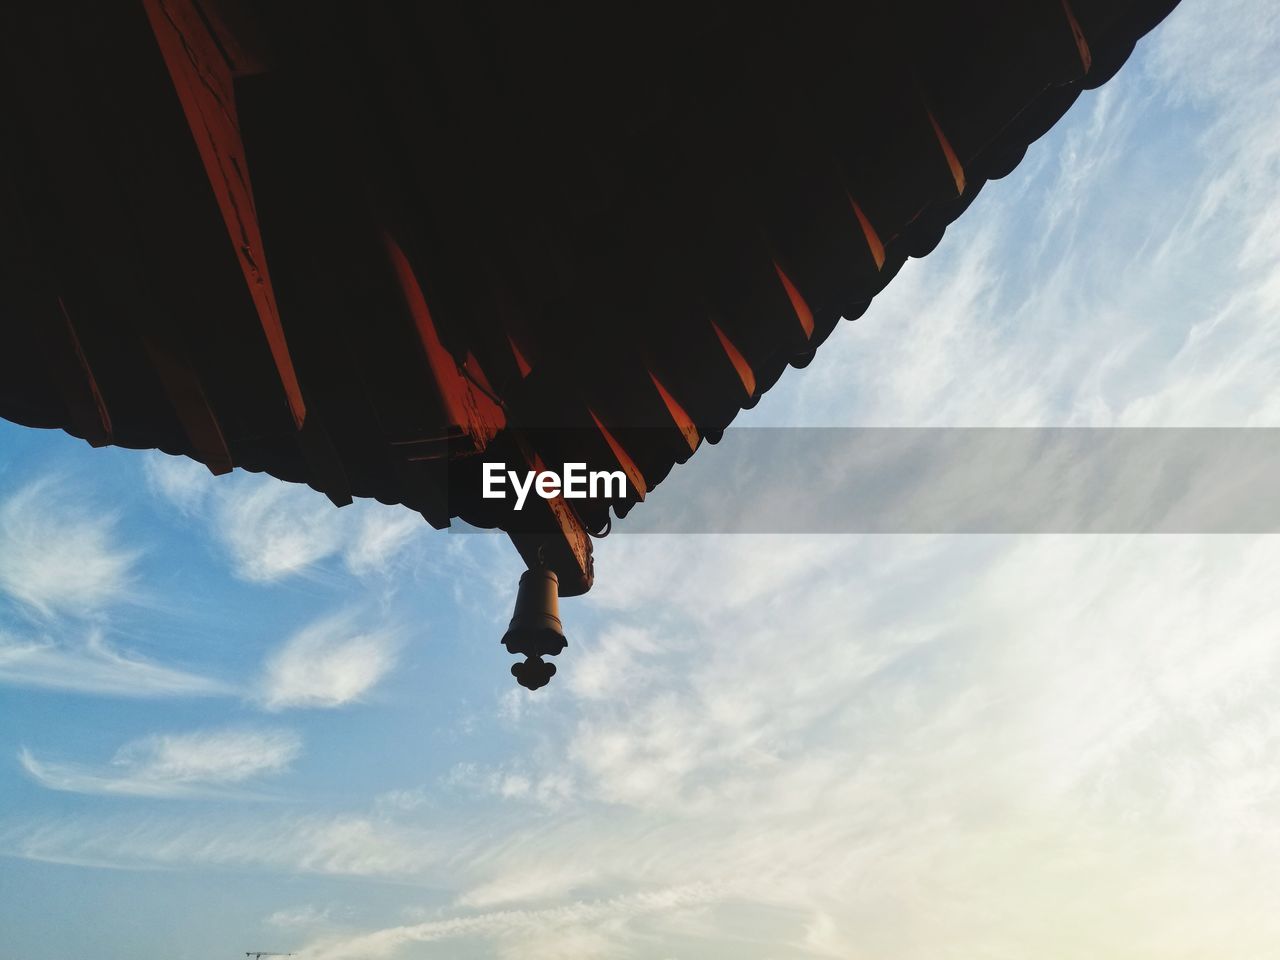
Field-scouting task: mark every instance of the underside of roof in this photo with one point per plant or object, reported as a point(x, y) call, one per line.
point(370, 246)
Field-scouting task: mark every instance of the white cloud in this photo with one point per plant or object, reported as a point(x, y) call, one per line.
point(538, 883)
point(402, 800)
point(59, 555)
point(380, 534)
point(1009, 745)
point(271, 530)
point(337, 845)
point(307, 916)
point(182, 481)
point(175, 765)
point(611, 664)
point(330, 663)
point(1076, 728)
point(562, 931)
point(95, 666)
point(548, 788)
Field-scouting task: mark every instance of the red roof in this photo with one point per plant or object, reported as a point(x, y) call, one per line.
point(366, 246)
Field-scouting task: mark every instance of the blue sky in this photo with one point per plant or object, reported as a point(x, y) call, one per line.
point(236, 718)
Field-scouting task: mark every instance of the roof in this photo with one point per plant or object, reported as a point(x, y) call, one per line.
point(369, 246)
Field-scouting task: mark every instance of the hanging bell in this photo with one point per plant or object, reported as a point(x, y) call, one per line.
point(535, 631)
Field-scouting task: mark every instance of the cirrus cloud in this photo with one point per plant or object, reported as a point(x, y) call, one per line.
point(329, 663)
point(95, 666)
point(271, 530)
point(174, 764)
point(58, 555)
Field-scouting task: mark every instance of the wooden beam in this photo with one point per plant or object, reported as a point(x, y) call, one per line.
point(953, 162)
point(186, 394)
point(688, 429)
point(203, 78)
point(740, 365)
point(798, 304)
point(78, 385)
point(465, 394)
point(1082, 43)
point(624, 459)
point(869, 232)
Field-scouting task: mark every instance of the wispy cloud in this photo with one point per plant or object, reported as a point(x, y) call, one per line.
point(307, 916)
point(336, 844)
point(548, 788)
point(401, 800)
point(95, 666)
point(272, 530)
point(889, 745)
point(60, 555)
point(180, 480)
point(968, 721)
point(174, 765)
point(609, 665)
point(570, 930)
point(330, 663)
point(377, 537)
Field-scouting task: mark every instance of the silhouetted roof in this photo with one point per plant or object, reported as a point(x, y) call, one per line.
point(366, 245)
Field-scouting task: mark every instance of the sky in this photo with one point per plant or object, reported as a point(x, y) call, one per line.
point(234, 718)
